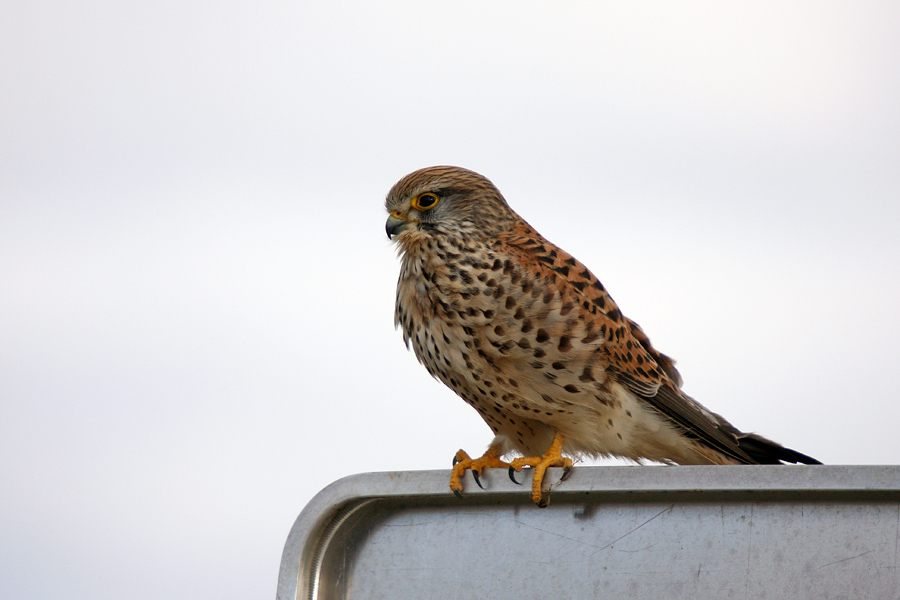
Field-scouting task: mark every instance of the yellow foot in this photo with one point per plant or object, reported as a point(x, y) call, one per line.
point(552, 458)
point(462, 462)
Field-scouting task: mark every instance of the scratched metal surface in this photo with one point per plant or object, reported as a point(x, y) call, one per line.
point(610, 532)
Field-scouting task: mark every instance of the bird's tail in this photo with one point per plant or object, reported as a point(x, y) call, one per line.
point(767, 452)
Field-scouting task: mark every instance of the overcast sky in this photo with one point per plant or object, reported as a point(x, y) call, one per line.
point(196, 289)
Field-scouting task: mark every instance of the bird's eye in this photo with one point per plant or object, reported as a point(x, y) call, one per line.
point(424, 201)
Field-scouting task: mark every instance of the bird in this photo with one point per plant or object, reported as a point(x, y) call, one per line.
point(530, 338)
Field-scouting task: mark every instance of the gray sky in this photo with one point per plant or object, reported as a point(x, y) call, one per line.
point(196, 305)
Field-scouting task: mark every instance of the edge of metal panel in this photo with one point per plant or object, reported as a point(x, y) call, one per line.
point(309, 538)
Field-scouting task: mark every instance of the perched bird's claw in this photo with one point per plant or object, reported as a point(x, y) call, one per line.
point(567, 470)
point(552, 458)
point(462, 462)
point(512, 475)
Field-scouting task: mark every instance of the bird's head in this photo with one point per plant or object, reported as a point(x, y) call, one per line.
point(445, 201)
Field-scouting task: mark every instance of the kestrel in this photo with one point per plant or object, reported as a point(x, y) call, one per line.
point(528, 336)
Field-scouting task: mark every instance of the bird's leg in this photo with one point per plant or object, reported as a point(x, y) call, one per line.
point(462, 462)
point(552, 458)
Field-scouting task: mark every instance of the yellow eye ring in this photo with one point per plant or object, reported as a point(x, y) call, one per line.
point(425, 201)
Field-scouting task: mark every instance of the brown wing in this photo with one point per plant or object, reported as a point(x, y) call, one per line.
point(622, 349)
point(627, 349)
point(665, 362)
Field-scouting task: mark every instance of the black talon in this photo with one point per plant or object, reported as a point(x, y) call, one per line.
point(458, 494)
point(566, 472)
point(512, 475)
point(545, 501)
point(478, 481)
point(454, 460)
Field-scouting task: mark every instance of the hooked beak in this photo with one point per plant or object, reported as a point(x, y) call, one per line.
point(395, 224)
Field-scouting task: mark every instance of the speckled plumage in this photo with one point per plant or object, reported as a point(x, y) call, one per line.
point(529, 337)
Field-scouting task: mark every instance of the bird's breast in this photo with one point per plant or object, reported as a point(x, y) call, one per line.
point(500, 333)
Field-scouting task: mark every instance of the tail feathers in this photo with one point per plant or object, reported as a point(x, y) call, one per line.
point(767, 452)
